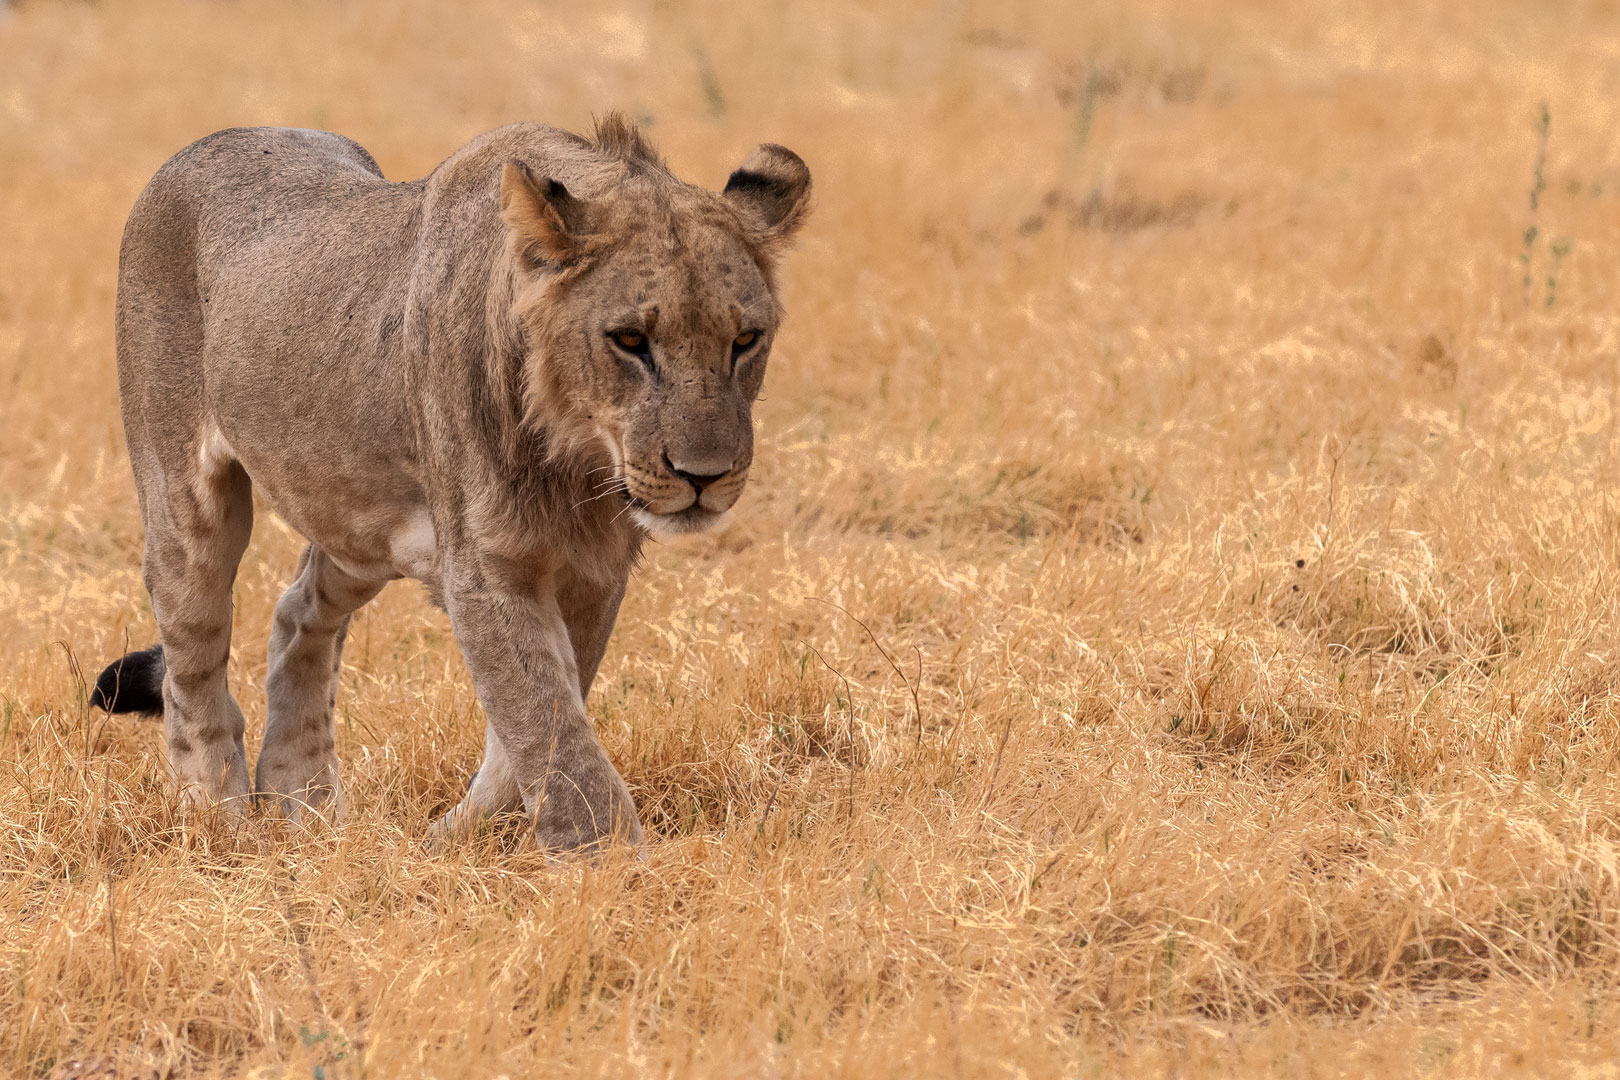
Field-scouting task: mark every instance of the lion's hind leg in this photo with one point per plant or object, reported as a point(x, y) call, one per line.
point(195, 535)
point(298, 762)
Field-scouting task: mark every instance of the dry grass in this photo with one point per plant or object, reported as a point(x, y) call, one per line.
point(1173, 395)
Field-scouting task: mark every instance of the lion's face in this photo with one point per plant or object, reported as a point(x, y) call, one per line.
point(656, 323)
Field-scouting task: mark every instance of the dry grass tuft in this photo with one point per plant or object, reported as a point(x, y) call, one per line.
point(1173, 628)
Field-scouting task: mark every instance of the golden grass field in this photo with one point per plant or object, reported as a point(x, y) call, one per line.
point(1172, 630)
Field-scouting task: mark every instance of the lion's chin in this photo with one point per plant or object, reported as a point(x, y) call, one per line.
point(693, 519)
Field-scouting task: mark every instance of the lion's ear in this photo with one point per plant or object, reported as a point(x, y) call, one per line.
point(771, 193)
point(547, 223)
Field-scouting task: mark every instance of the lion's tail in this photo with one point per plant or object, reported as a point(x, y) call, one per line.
point(132, 683)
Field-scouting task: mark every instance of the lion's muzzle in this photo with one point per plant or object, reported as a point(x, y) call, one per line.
point(669, 498)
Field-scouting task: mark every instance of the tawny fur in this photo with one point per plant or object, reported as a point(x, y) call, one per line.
point(496, 380)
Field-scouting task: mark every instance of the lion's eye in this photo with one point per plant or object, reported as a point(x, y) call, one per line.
point(743, 340)
point(631, 341)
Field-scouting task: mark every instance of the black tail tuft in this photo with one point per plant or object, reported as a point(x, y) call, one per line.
point(133, 683)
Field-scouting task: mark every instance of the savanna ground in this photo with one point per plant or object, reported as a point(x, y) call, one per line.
point(1172, 628)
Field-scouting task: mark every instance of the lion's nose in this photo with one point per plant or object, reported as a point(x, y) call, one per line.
point(701, 475)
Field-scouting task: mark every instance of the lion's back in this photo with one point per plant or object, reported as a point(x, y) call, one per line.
point(226, 186)
point(297, 147)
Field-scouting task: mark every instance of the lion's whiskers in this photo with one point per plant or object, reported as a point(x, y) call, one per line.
point(604, 488)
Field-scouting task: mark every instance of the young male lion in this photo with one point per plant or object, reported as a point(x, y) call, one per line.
point(496, 380)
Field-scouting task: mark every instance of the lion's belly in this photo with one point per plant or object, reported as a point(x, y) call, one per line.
point(368, 539)
point(373, 542)
point(365, 513)
point(413, 547)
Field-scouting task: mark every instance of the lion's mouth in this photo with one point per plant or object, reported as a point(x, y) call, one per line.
point(693, 519)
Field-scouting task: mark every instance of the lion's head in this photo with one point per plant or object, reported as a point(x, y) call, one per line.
point(648, 311)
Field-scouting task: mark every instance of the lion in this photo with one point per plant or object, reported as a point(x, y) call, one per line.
point(497, 381)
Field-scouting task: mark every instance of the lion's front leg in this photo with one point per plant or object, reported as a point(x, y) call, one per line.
point(589, 609)
point(517, 647)
point(493, 790)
